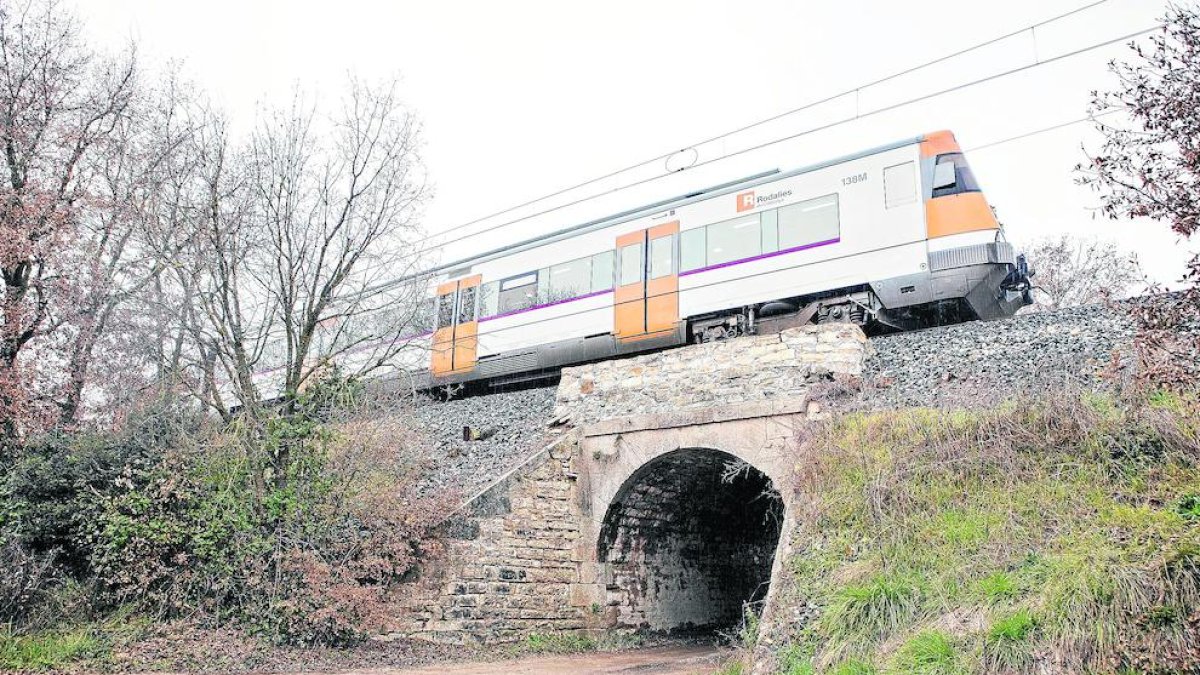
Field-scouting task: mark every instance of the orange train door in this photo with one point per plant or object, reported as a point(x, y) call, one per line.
point(455, 338)
point(646, 299)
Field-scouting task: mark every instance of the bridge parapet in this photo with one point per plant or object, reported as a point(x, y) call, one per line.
point(663, 507)
point(759, 368)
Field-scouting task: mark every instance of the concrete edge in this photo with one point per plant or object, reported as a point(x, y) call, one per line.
point(688, 418)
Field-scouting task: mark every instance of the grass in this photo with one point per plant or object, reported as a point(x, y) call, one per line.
point(947, 542)
point(997, 587)
point(928, 653)
point(49, 650)
point(559, 643)
point(571, 642)
point(1009, 640)
point(732, 667)
point(876, 608)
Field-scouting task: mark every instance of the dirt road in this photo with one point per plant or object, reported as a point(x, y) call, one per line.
point(682, 660)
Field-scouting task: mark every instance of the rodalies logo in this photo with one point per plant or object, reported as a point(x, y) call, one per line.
point(748, 200)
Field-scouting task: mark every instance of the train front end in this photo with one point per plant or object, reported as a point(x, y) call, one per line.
point(973, 271)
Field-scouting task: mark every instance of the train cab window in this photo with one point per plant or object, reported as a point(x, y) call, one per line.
point(631, 265)
point(570, 280)
point(964, 178)
point(899, 185)
point(691, 249)
point(602, 271)
point(445, 310)
point(466, 304)
point(735, 239)
point(518, 293)
point(809, 222)
point(662, 257)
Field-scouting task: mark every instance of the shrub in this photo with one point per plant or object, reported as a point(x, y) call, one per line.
point(307, 551)
point(297, 522)
point(26, 580)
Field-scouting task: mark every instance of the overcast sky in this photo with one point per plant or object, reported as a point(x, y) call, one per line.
point(522, 98)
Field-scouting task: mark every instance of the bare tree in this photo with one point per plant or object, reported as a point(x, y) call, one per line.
point(59, 102)
point(124, 234)
point(295, 237)
point(1149, 167)
point(1072, 271)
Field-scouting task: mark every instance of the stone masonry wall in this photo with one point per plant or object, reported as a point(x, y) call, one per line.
point(511, 565)
point(761, 367)
point(523, 557)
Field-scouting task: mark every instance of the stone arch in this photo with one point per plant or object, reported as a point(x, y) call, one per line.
point(687, 538)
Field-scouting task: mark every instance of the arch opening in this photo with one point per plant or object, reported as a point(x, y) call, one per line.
point(689, 539)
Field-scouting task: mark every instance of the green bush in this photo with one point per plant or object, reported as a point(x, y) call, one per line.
point(296, 523)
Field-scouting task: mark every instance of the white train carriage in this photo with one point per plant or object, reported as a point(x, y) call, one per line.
point(896, 237)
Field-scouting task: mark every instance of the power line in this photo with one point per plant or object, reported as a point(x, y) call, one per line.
point(767, 120)
point(825, 127)
point(806, 132)
point(1038, 132)
point(992, 144)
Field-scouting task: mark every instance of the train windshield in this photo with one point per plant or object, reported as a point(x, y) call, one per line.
point(964, 178)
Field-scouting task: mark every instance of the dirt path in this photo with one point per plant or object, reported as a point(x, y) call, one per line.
point(685, 660)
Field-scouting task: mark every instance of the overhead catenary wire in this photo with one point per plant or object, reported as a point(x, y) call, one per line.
point(992, 144)
point(387, 285)
point(1031, 28)
point(812, 130)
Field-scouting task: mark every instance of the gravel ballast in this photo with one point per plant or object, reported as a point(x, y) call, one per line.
point(960, 366)
point(514, 424)
point(982, 362)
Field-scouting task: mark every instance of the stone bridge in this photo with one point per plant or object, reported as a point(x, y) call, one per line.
point(660, 505)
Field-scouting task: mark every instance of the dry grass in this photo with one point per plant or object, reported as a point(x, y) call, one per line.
point(1062, 525)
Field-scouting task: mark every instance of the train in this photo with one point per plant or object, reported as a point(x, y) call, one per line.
point(893, 238)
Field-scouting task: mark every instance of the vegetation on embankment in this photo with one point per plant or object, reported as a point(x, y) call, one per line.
point(172, 516)
point(1052, 534)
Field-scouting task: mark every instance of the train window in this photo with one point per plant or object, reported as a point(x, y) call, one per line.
point(489, 299)
point(518, 293)
point(770, 231)
point(899, 185)
point(964, 178)
point(691, 249)
point(662, 257)
point(543, 286)
point(466, 304)
point(809, 222)
point(570, 280)
point(445, 310)
point(631, 264)
point(422, 318)
point(735, 239)
point(602, 271)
